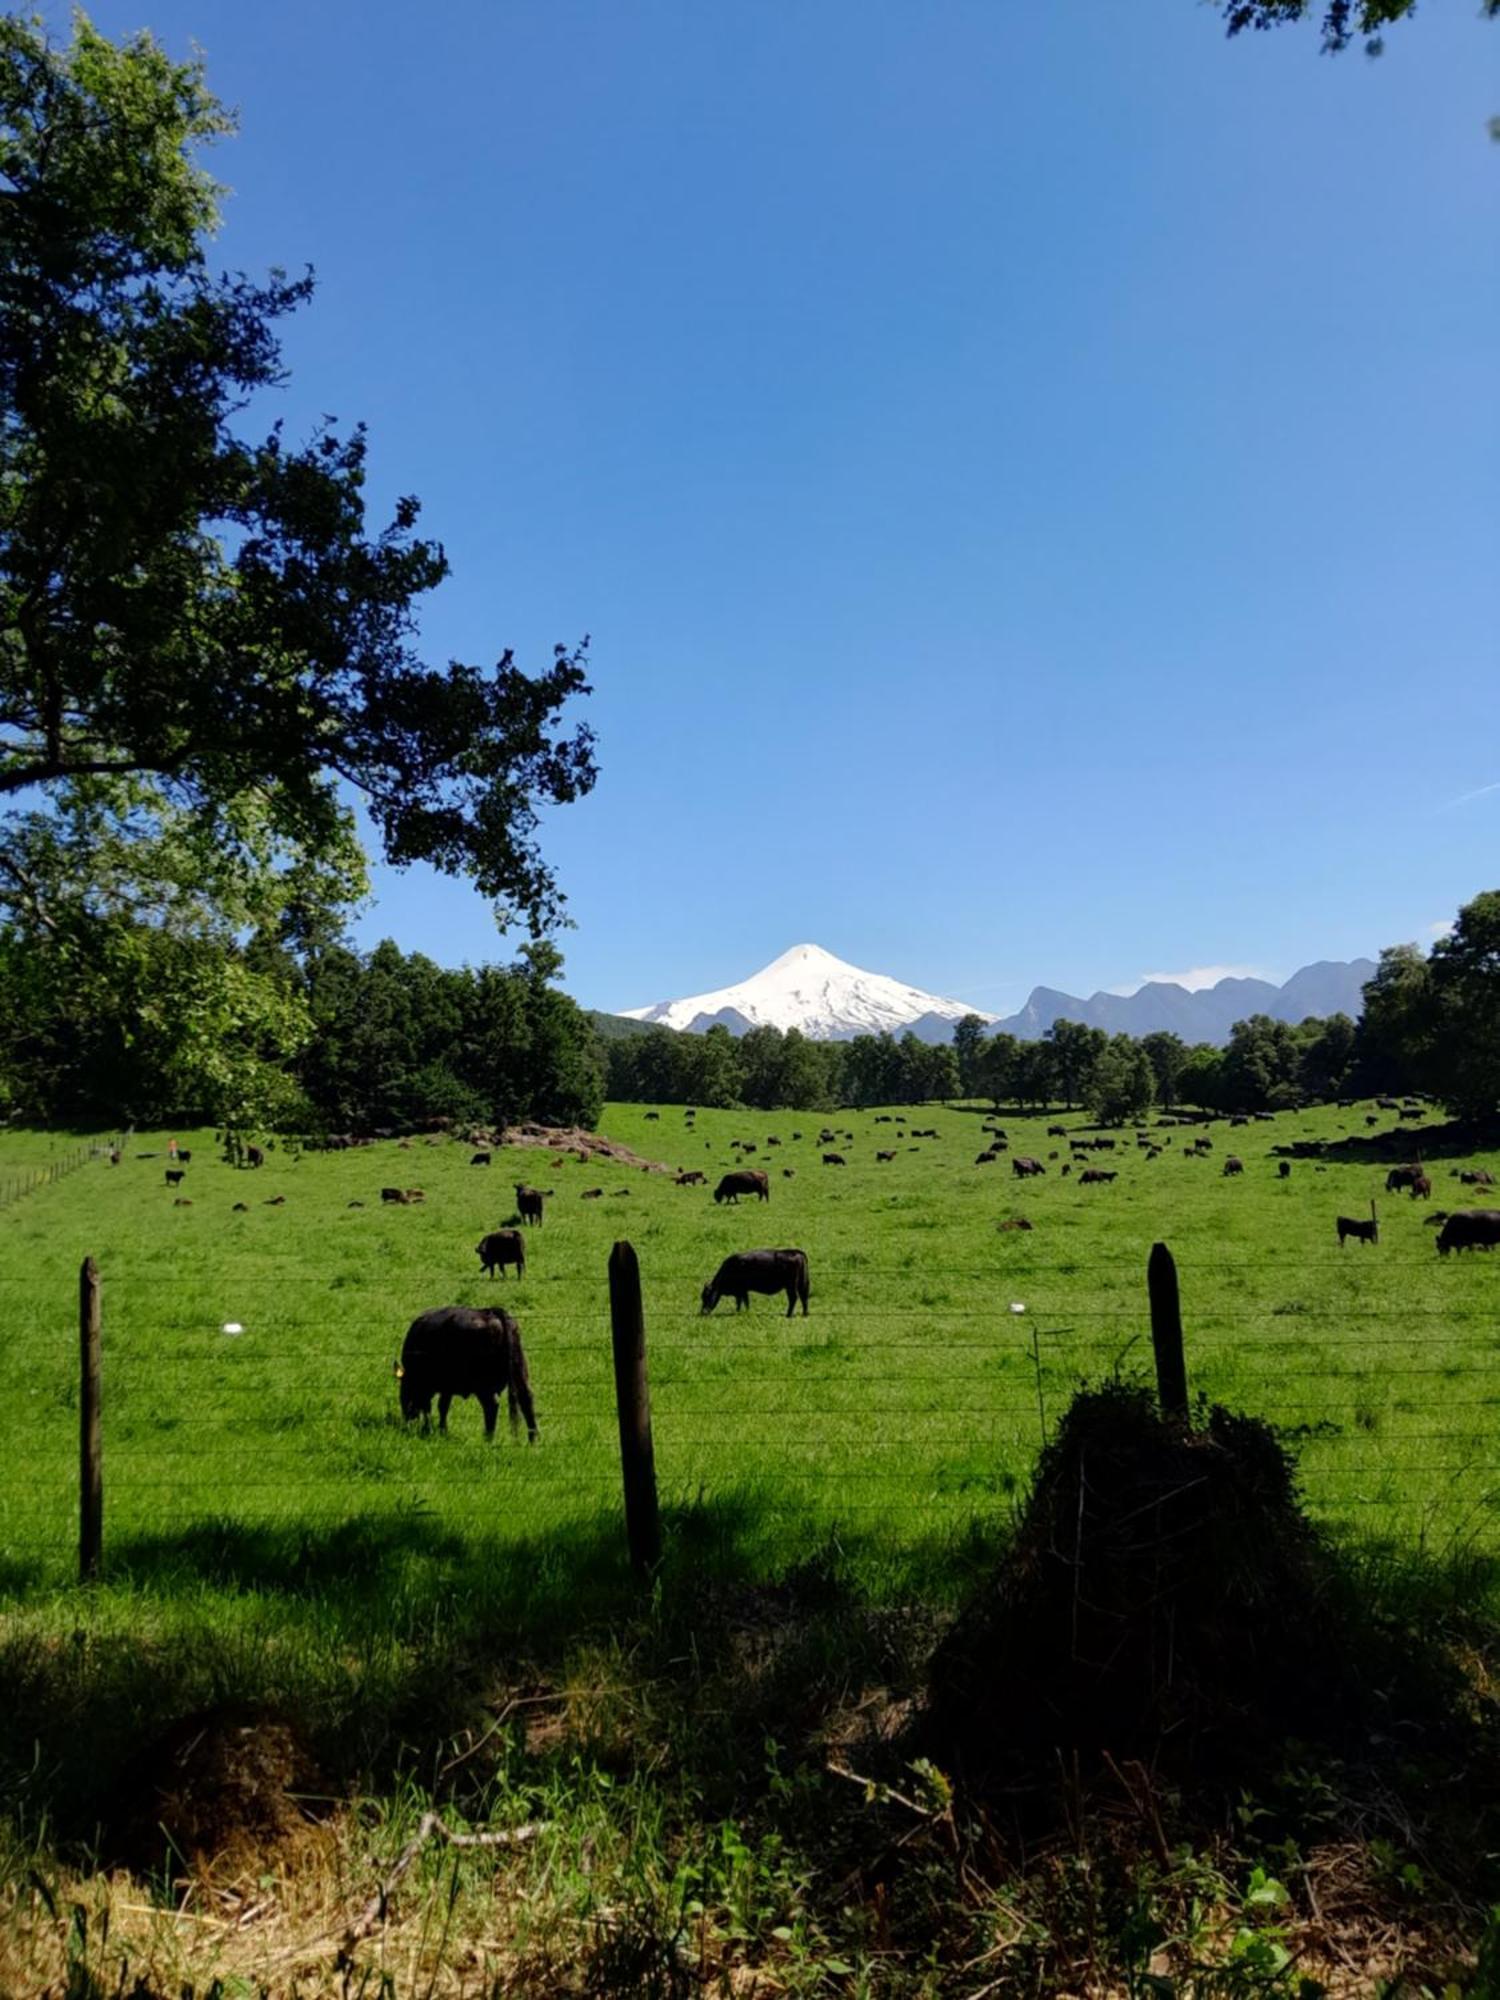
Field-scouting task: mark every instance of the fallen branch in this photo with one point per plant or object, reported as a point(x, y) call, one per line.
point(428, 1826)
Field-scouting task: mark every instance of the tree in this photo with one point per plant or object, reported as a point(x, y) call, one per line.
point(1393, 1047)
point(1075, 1051)
point(1464, 973)
point(179, 602)
point(1122, 1083)
point(968, 1050)
point(1166, 1053)
point(996, 1069)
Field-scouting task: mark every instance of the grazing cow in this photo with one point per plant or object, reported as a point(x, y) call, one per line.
point(480, 1160)
point(1284, 1170)
point(1470, 1229)
point(1414, 1111)
point(694, 1179)
point(1478, 1177)
point(1421, 1188)
point(749, 1180)
point(255, 1156)
point(773, 1141)
point(175, 1176)
point(592, 1194)
point(1023, 1166)
point(1239, 1119)
point(983, 1159)
point(1057, 1131)
point(529, 1203)
point(789, 1173)
point(1362, 1232)
point(1067, 1168)
point(276, 1201)
point(243, 1208)
point(348, 1204)
point(1232, 1165)
point(499, 1249)
point(747, 1147)
point(183, 1156)
point(1387, 1104)
point(1400, 1177)
point(465, 1351)
point(393, 1194)
point(1091, 1175)
point(1371, 1119)
point(834, 1160)
point(891, 1156)
point(652, 1116)
point(1014, 1222)
point(759, 1271)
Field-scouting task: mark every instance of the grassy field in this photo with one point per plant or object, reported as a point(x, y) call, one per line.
point(271, 1526)
point(907, 1403)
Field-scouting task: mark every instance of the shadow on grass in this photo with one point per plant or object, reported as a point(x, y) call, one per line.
point(384, 1636)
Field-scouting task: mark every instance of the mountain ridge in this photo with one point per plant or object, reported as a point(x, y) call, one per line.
point(827, 999)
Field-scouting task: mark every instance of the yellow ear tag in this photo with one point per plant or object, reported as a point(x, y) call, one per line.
point(399, 1369)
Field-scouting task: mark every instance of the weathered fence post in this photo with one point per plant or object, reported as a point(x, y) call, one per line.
point(90, 1464)
point(633, 1402)
point(1166, 1332)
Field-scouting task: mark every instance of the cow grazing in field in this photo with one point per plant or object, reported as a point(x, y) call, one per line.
point(255, 1156)
point(1284, 1170)
point(1470, 1229)
point(1093, 1175)
point(1412, 1111)
point(1362, 1232)
point(789, 1173)
point(592, 1194)
point(175, 1176)
point(1023, 1166)
point(394, 1194)
point(183, 1156)
point(529, 1203)
point(891, 1156)
point(1067, 1168)
point(694, 1179)
point(1477, 1177)
point(243, 1208)
point(1014, 1222)
point(465, 1351)
point(749, 1180)
point(1057, 1131)
point(760, 1271)
point(834, 1160)
point(480, 1160)
point(500, 1248)
point(1421, 1188)
point(276, 1201)
point(982, 1159)
point(1233, 1165)
point(1400, 1177)
point(652, 1116)
point(773, 1141)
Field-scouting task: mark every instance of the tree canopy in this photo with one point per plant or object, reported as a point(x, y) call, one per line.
point(1342, 21)
point(184, 603)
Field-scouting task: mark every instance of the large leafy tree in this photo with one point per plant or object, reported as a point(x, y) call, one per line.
point(182, 602)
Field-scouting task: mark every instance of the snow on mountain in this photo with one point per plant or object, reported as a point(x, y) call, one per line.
point(810, 989)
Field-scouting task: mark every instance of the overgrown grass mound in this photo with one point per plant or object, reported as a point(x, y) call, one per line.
point(1165, 1600)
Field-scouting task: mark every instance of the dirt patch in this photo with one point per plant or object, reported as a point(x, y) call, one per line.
point(587, 1145)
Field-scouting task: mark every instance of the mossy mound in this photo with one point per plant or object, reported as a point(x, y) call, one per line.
point(1165, 1601)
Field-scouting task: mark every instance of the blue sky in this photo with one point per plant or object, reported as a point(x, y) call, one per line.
point(1028, 471)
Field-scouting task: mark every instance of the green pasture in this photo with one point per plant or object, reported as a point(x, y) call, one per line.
point(906, 1409)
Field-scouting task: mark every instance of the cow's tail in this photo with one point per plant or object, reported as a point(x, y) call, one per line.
point(518, 1387)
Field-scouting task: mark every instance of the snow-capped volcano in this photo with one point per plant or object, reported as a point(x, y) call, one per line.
point(810, 989)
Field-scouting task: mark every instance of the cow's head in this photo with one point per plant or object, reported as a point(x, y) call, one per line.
point(410, 1406)
point(710, 1300)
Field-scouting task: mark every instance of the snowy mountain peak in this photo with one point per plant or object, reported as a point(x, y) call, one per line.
point(809, 989)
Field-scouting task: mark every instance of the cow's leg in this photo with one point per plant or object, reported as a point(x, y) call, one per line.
point(791, 1300)
point(489, 1402)
point(444, 1399)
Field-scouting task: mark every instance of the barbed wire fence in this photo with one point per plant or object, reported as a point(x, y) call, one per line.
point(22, 1181)
point(881, 1420)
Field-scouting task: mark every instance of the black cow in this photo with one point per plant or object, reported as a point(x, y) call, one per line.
point(1093, 1175)
point(465, 1351)
point(499, 1248)
point(1023, 1165)
point(1232, 1165)
point(834, 1160)
point(1470, 1229)
point(760, 1271)
point(175, 1176)
point(1284, 1170)
point(1362, 1232)
point(480, 1160)
point(254, 1156)
point(395, 1194)
point(1400, 1177)
point(529, 1203)
point(1477, 1177)
point(749, 1180)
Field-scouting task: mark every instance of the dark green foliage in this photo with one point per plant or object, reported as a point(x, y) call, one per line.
point(1341, 20)
point(181, 602)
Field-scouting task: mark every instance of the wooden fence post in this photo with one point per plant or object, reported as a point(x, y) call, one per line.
point(1166, 1332)
point(633, 1402)
point(90, 1463)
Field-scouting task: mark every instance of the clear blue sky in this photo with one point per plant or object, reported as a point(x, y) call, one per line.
point(1028, 471)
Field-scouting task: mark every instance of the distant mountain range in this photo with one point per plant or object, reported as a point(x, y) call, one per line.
point(828, 1000)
